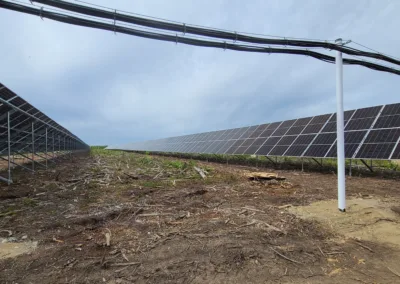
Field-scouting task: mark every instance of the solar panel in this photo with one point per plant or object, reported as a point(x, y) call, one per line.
point(260, 129)
point(372, 133)
point(396, 152)
point(26, 124)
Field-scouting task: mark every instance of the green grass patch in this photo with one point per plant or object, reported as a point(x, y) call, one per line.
point(102, 151)
point(8, 213)
point(145, 160)
point(29, 202)
point(180, 165)
point(151, 184)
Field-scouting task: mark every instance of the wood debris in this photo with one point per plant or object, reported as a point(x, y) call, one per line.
point(108, 237)
point(285, 257)
point(124, 264)
point(131, 176)
point(263, 176)
point(57, 240)
point(285, 206)
point(201, 172)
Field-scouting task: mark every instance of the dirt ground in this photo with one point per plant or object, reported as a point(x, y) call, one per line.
point(166, 224)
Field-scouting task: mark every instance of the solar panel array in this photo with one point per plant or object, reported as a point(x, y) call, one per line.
point(22, 115)
point(370, 133)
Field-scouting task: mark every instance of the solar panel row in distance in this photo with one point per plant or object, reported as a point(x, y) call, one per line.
point(370, 133)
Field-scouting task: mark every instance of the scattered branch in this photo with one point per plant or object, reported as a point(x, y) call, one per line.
point(362, 245)
point(125, 264)
point(253, 209)
point(285, 257)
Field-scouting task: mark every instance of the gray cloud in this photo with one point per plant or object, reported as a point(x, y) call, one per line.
point(111, 89)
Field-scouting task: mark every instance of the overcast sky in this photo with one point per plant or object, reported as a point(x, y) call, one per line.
point(115, 89)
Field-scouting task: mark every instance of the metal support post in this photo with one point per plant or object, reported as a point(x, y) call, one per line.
point(302, 164)
point(350, 166)
point(53, 147)
point(46, 148)
point(33, 147)
point(340, 131)
point(9, 148)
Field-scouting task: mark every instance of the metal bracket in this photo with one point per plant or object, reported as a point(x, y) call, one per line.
point(14, 163)
point(5, 180)
point(272, 161)
point(350, 168)
point(319, 164)
point(32, 160)
point(368, 166)
point(339, 41)
point(43, 157)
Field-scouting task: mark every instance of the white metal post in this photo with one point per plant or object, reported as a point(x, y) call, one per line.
point(54, 154)
point(33, 147)
point(9, 147)
point(46, 148)
point(340, 130)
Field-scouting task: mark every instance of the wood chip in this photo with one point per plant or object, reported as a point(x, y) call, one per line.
point(108, 237)
point(57, 240)
point(263, 176)
point(285, 206)
point(201, 172)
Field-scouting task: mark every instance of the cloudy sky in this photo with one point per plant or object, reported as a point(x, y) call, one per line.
point(115, 89)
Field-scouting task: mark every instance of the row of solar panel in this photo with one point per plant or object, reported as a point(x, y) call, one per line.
point(23, 118)
point(9, 96)
point(369, 133)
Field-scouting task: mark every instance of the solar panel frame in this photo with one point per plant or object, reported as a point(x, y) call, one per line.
point(395, 154)
point(25, 123)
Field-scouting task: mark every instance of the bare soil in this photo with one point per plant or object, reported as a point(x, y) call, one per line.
point(168, 225)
